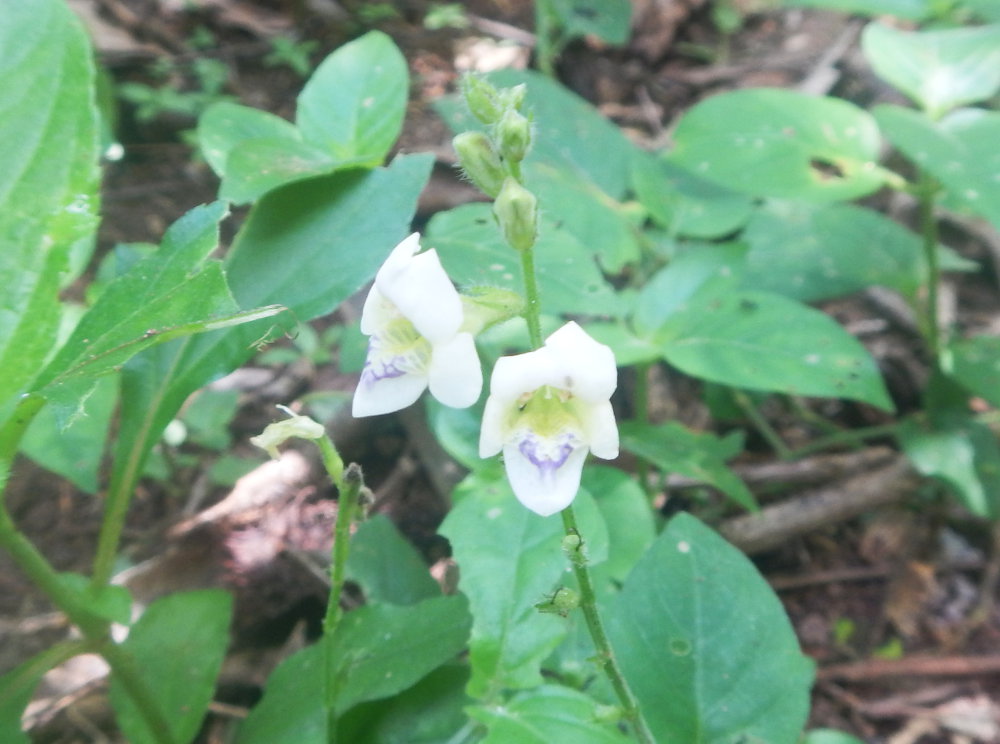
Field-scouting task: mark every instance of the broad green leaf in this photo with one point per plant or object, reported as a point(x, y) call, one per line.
point(829, 736)
point(938, 69)
point(609, 20)
point(812, 253)
point(685, 204)
point(75, 452)
point(569, 133)
point(291, 711)
point(474, 253)
point(596, 220)
point(257, 166)
point(629, 348)
point(308, 246)
point(911, 10)
point(386, 566)
point(380, 650)
point(225, 125)
point(964, 454)
point(48, 178)
point(763, 341)
point(430, 712)
point(669, 289)
point(780, 143)
point(545, 715)
point(975, 362)
point(178, 644)
point(509, 560)
point(627, 516)
point(960, 151)
point(353, 105)
point(706, 646)
point(702, 456)
point(457, 430)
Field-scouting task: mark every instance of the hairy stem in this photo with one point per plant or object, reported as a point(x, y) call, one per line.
point(532, 308)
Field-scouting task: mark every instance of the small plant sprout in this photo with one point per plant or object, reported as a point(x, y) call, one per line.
point(547, 408)
point(414, 318)
point(301, 427)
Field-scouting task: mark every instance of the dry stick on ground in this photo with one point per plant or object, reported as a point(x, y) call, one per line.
point(821, 507)
point(912, 666)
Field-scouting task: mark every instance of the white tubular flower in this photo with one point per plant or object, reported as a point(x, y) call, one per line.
point(546, 409)
point(413, 315)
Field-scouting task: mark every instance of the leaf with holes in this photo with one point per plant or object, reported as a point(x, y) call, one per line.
point(769, 142)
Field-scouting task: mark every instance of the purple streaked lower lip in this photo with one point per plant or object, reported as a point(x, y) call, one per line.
point(547, 463)
point(370, 375)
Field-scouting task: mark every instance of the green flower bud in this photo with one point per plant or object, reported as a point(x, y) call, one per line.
point(480, 161)
point(514, 136)
point(513, 98)
point(607, 714)
point(572, 547)
point(279, 432)
point(561, 603)
point(483, 100)
point(516, 209)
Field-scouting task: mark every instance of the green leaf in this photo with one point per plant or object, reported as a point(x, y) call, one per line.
point(938, 69)
point(474, 253)
point(75, 451)
point(257, 166)
point(569, 134)
point(960, 151)
point(595, 219)
point(111, 602)
point(609, 20)
point(975, 362)
point(386, 566)
point(225, 125)
point(629, 348)
point(545, 715)
point(291, 711)
point(964, 454)
point(430, 712)
point(353, 105)
point(812, 253)
point(627, 516)
point(48, 178)
point(829, 736)
point(763, 341)
point(780, 143)
point(911, 10)
point(685, 204)
point(706, 646)
point(702, 456)
point(348, 220)
point(178, 644)
point(509, 559)
point(380, 650)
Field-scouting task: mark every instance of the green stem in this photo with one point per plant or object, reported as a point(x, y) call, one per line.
point(532, 308)
point(12, 431)
point(929, 230)
point(763, 426)
point(26, 676)
point(847, 436)
point(605, 654)
point(347, 504)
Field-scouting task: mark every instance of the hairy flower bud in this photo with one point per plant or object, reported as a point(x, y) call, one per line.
point(480, 162)
point(516, 210)
point(514, 136)
point(483, 100)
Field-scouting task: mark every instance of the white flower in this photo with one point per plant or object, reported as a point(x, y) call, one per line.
point(546, 409)
point(413, 316)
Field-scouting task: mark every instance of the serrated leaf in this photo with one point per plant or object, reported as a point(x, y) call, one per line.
point(939, 69)
point(386, 566)
point(701, 456)
point(509, 559)
point(474, 253)
point(812, 253)
point(547, 714)
point(179, 644)
point(780, 143)
point(353, 105)
point(960, 151)
point(763, 341)
point(705, 644)
point(48, 178)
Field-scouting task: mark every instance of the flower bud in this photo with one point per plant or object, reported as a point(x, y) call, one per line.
point(514, 136)
point(516, 209)
point(480, 161)
point(483, 100)
point(277, 433)
point(513, 98)
point(561, 603)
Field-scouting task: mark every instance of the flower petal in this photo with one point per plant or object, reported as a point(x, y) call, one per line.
point(375, 396)
point(424, 295)
point(544, 478)
point(455, 377)
point(600, 428)
point(523, 373)
point(586, 368)
point(491, 431)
